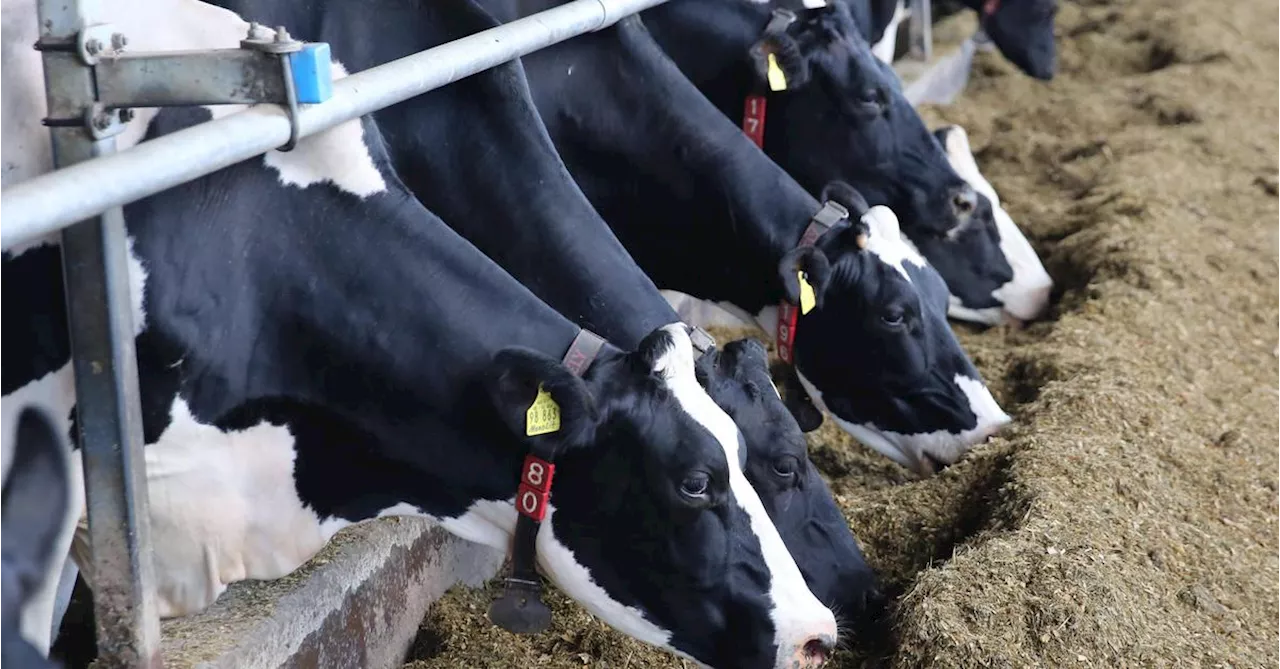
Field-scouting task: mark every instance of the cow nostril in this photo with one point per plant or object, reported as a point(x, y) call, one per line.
point(965, 201)
point(818, 649)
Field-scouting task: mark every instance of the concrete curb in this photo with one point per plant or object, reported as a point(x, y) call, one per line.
point(356, 604)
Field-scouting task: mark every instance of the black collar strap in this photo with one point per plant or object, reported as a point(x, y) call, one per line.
point(701, 339)
point(520, 609)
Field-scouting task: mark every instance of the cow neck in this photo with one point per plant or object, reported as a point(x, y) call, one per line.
point(788, 313)
point(520, 608)
point(698, 180)
point(539, 227)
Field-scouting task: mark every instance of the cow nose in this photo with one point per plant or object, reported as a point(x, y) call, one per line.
point(816, 651)
point(964, 201)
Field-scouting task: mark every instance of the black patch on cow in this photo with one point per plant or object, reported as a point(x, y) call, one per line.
point(36, 342)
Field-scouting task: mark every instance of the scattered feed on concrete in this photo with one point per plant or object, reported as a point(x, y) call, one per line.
point(1128, 517)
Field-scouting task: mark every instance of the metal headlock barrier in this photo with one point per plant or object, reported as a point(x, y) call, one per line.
point(91, 86)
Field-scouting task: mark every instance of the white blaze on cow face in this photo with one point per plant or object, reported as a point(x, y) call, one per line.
point(888, 243)
point(797, 615)
point(1026, 296)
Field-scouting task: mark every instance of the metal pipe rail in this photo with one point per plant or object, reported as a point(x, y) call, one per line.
point(57, 199)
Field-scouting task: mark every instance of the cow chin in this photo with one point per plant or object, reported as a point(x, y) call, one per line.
point(574, 579)
point(926, 452)
point(1027, 295)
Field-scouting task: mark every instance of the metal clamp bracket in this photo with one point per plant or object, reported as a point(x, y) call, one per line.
point(282, 46)
point(268, 67)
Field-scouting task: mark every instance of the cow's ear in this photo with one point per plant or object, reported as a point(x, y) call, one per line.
point(813, 263)
point(565, 412)
point(35, 499)
point(794, 397)
point(788, 61)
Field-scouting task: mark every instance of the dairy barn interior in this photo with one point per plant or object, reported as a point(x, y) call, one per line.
point(640, 333)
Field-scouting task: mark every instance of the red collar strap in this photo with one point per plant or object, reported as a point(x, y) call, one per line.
point(753, 118)
point(753, 112)
point(702, 340)
point(520, 608)
point(788, 313)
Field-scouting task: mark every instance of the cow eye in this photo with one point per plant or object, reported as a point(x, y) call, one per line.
point(786, 466)
point(695, 485)
point(893, 318)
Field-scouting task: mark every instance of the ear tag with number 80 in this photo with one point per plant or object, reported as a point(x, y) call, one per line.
point(777, 79)
point(807, 298)
point(543, 416)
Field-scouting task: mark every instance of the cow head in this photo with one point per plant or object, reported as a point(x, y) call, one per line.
point(778, 468)
point(843, 116)
point(1023, 31)
point(652, 525)
point(36, 507)
point(877, 352)
point(1024, 296)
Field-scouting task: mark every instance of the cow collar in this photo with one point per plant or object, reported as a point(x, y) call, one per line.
point(753, 113)
point(520, 608)
point(827, 217)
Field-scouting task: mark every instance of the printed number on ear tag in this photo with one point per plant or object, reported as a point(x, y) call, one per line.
point(543, 415)
point(777, 80)
point(807, 299)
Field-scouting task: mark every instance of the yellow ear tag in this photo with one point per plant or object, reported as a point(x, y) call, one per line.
point(807, 299)
point(543, 415)
point(777, 80)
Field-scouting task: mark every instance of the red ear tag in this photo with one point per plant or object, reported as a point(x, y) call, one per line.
point(535, 487)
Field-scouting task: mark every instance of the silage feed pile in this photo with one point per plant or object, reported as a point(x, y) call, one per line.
point(1128, 518)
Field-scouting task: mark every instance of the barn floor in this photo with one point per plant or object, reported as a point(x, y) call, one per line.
point(1129, 517)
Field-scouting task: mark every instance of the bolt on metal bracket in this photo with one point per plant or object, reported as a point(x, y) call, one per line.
point(96, 41)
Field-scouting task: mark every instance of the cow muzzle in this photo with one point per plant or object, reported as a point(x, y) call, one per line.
point(813, 652)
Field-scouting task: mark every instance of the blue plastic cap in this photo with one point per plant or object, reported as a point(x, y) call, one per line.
point(311, 75)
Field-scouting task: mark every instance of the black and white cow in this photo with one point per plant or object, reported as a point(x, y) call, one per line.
point(705, 212)
point(842, 116)
point(37, 519)
point(516, 201)
point(312, 288)
point(1026, 296)
point(1021, 29)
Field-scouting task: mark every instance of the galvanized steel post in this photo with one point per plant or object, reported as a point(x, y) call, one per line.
point(920, 30)
point(100, 318)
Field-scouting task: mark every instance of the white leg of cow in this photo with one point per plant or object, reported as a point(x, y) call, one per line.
point(888, 43)
point(62, 600)
point(38, 621)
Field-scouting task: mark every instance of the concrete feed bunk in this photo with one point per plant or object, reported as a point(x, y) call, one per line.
point(1128, 517)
